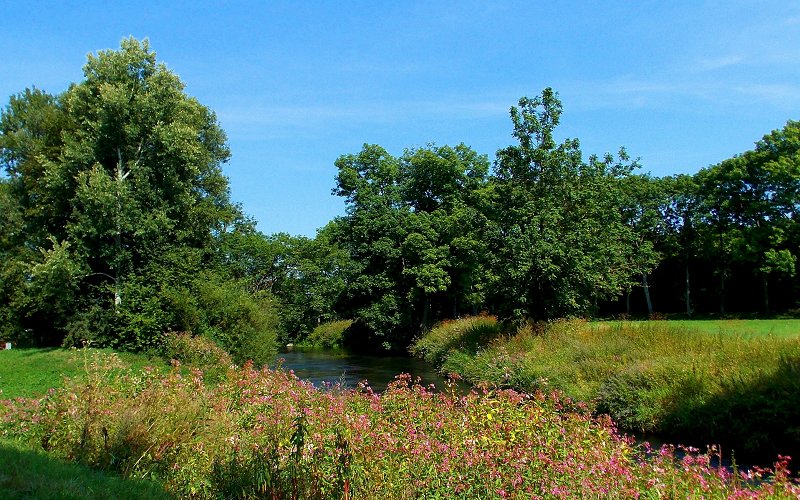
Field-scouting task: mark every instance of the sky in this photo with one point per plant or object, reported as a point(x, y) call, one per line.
point(681, 84)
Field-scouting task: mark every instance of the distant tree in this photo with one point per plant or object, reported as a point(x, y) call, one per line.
point(750, 207)
point(644, 205)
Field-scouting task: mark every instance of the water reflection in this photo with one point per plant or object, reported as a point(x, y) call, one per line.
point(347, 369)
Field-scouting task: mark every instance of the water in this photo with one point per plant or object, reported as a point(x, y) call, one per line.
point(347, 369)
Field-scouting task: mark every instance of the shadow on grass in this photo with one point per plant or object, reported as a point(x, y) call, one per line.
point(30, 474)
point(757, 419)
point(37, 351)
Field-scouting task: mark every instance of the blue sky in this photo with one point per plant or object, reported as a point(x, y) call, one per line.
point(682, 85)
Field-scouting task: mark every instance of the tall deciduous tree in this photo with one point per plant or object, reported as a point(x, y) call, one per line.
point(563, 240)
point(413, 229)
point(117, 178)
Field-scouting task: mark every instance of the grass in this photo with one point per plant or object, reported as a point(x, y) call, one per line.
point(266, 434)
point(32, 372)
point(25, 473)
point(738, 385)
point(330, 335)
point(749, 328)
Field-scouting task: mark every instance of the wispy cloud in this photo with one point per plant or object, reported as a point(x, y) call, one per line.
point(715, 63)
point(359, 112)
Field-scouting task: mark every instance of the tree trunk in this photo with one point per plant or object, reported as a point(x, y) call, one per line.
point(425, 312)
point(646, 288)
point(722, 293)
point(628, 302)
point(766, 295)
point(688, 290)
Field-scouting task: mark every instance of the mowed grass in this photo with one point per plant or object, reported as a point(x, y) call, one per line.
point(26, 373)
point(747, 328)
point(25, 473)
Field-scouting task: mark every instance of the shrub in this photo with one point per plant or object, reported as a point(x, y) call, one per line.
point(467, 334)
point(328, 335)
point(246, 326)
point(199, 352)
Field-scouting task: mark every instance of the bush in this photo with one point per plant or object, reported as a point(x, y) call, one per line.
point(199, 352)
point(246, 326)
point(329, 335)
point(467, 334)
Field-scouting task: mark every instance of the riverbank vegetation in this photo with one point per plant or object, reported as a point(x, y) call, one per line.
point(264, 432)
point(118, 230)
point(651, 377)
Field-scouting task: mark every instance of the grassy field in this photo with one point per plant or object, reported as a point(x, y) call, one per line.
point(747, 328)
point(25, 473)
point(731, 382)
point(31, 372)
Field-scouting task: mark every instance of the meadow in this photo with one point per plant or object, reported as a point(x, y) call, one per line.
point(259, 432)
point(736, 387)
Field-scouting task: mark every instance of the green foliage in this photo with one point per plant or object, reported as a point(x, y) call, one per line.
point(464, 335)
point(109, 182)
point(329, 335)
point(197, 352)
point(413, 229)
point(246, 326)
point(562, 240)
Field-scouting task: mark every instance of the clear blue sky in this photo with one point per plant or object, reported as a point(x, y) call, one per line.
point(681, 84)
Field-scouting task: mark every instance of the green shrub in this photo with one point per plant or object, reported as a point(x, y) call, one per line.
point(246, 326)
point(328, 335)
point(199, 352)
point(466, 334)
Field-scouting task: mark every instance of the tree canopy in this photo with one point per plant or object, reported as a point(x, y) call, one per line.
point(120, 186)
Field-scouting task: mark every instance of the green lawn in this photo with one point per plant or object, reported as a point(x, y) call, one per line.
point(31, 372)
point(25, 473)
point(782, 328)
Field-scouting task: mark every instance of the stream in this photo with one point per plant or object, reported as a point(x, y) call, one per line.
point(348, 369)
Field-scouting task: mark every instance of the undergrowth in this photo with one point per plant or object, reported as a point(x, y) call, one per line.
point(264, 433)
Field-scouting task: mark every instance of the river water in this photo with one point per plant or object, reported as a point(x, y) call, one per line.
point(348, 369)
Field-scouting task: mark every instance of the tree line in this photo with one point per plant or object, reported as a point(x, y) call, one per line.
point(119, 226)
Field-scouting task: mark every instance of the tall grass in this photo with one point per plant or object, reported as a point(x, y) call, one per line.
point(659, 377)
point(329, 335)
point(264, 433)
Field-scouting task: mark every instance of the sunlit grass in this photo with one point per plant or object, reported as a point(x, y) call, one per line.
point(738, 385)
point(740, 327)
point(32, 372)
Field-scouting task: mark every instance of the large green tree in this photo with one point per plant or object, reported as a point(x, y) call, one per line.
point(563, 240)
point(122, 195)
point(413, 229)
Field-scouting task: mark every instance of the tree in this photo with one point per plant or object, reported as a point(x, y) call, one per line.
point(750, 206)
point(119, 179)
point(412, 231)
point(644, 207)
point(562, 242)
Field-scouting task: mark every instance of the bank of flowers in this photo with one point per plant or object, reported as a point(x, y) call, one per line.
point(264, 433)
